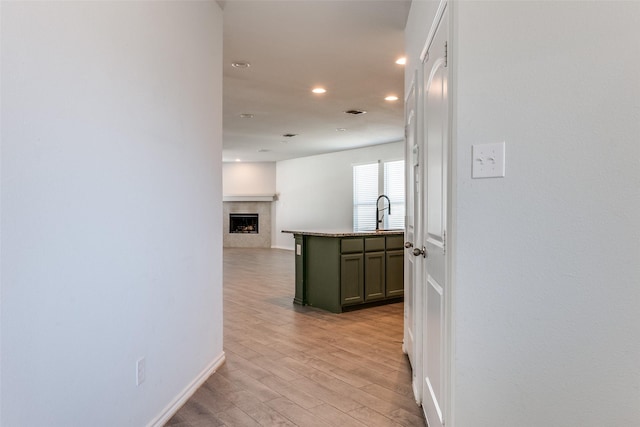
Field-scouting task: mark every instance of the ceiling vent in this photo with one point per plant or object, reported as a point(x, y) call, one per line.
point(355, 112)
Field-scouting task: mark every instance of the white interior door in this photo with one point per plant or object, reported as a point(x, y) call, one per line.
point(436, 135)
point(412, 275)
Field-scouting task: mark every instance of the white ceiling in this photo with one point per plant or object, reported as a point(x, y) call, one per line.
point(348, 47)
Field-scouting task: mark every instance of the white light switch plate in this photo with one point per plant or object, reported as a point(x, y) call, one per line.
point(488, 160)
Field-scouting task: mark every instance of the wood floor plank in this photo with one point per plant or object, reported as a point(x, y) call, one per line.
point(212, 400)
point(396, 399)
point(194, 413)
point(370, 417)
point(407, 419)
point(343, 403)
point(237, 417)
point(398, 381)
point(288, 365)
point(335, 417)
point(268, 417)
point(247, 382)
point(349, 377)
point(239, 363)
point(388, 380)
point(294, 394)
point(220, 383)
point(275, 367)
point(296, 414)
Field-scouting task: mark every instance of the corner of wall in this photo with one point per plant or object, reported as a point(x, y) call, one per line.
point(174, 406)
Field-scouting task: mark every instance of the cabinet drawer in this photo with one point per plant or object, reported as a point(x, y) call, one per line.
point(395, 242)
point(348, 246)
point(374, 244)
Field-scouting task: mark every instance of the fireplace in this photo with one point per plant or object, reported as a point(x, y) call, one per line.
point(236, 222)
point(246, 223)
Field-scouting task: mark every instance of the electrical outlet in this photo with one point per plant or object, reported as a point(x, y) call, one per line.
point(140, 371)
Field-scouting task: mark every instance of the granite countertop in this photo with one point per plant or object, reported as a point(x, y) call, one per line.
point(345, 233)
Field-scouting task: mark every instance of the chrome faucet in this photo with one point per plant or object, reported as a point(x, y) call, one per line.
point(380, 217)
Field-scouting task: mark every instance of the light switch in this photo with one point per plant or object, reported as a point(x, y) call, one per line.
point(488, 160)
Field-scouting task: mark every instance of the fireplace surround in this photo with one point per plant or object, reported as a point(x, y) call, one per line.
point(250, 226)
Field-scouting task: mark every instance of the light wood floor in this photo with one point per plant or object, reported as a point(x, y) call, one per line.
point(298, 366)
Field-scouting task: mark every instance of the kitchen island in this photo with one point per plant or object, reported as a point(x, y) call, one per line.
point(343, 270)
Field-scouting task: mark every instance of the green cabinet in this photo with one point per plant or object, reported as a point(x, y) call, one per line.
point(394, 277)
point(351, 271)
point(394, 262)
point(374, 277)
point(351, 279)
point(336, 273)
point(374, 267)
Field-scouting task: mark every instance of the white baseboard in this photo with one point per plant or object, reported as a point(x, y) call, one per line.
point(281, 247)
point(181, 398)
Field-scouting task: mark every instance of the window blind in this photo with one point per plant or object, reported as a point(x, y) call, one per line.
point(394, 189)
point(367, 187)
point(365, 193)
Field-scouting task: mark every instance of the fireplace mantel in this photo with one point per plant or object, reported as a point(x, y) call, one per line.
point(249, 198)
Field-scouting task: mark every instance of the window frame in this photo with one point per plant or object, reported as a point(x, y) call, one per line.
point(358, 219)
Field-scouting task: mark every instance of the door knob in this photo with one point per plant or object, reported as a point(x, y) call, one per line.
point(418, 252)
point(408, 245)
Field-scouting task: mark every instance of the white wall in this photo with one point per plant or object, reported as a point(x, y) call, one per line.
point(249, 179)
point(316, 192)
point(547, 296)
point(111, 205)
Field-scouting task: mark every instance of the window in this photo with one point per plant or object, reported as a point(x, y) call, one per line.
point(365, 193)
point(369, 181)
point(394, 189)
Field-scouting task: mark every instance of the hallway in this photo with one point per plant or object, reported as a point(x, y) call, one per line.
point(297, 366)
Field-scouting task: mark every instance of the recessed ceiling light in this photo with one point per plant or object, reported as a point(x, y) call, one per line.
point(319, 90)
point(355, 112)
point(246, 116)
point(240, 64)
point(237, 160)
point(341, 129)
point(263, 150)
point(401, 61)
point(391, 98)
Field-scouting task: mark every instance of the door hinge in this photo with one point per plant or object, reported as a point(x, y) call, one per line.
point(446, 54)
point(444, 241)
